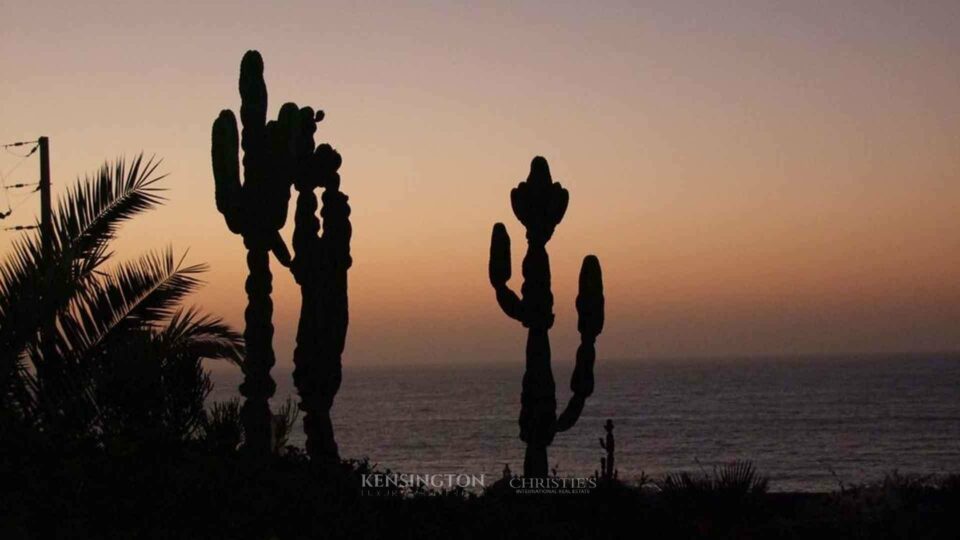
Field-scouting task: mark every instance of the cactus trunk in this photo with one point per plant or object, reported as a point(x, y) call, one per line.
point(535, 464)
point(258, 386)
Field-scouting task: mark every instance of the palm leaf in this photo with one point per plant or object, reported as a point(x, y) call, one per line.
point(91, 212)
point(137, 295)
point(87, 218)
point(114, 330)
point(192, 334)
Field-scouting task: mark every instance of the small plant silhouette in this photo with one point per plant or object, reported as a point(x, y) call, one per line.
point(608, 471)
point(539, 204)
point(278, 154)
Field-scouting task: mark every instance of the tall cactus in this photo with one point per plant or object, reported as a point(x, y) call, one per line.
point(320, 267)
point(539, 204)
point(278, 154)
point(256, 210)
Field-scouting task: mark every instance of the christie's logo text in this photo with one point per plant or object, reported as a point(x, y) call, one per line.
point(553, 485)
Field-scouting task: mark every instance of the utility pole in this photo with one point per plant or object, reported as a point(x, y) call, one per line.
point(46, 210)
point(46, 242)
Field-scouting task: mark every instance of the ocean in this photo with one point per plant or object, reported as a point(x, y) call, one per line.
point(807, 423)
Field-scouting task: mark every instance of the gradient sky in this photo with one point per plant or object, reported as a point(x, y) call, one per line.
point(755, 177)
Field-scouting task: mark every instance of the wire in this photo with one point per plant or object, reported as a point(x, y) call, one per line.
point(8, 172)
point(19, 203)
point(14, 206)
point(11, 204)
point(28, 154)
point(19, 143)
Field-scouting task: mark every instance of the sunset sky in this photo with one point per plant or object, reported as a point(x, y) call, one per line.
point(755, 177)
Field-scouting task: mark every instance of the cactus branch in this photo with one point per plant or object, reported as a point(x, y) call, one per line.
point(500, 272)
point(225, 149)
point(589, 324)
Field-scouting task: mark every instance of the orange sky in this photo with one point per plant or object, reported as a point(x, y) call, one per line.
point(764, 177)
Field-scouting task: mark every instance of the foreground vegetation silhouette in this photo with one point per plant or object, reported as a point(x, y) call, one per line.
point(195, 493)
point(540, 203)
point(276, 155)
point(100, 356)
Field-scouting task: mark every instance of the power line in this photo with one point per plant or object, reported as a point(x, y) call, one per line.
point(3, 176)
point(45, 224)
point(28, 154)
point(9, 171)
point(18, 204)
point(22, 185)
point(24, 199)
point(19, 143)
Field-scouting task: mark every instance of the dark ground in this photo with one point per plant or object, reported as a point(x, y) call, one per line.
point(196, 494)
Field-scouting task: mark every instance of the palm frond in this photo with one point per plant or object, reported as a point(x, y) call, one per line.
point(122, 359)
point(192, 334)
point(91, 212)
point(20, 290)
point(87, 218)
point(137, 295)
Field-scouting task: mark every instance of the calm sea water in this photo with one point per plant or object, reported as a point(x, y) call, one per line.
point(796, 419)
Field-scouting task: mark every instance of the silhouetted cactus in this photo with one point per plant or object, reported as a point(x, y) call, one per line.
point(608, 463)
point(276, 155)
point(320, 267)
point(255, 209)
point(539, 204)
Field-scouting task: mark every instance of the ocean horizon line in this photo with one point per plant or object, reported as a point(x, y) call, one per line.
point(217, 366)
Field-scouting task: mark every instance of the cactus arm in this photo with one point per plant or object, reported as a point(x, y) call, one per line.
point(568, 418)
point(590, 301)
point(224, 153)
point(281, 251)
point(590, 308)
point(510, 303)
point(500, 271)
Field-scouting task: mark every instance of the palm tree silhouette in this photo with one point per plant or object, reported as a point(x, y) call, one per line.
point(120, 354)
